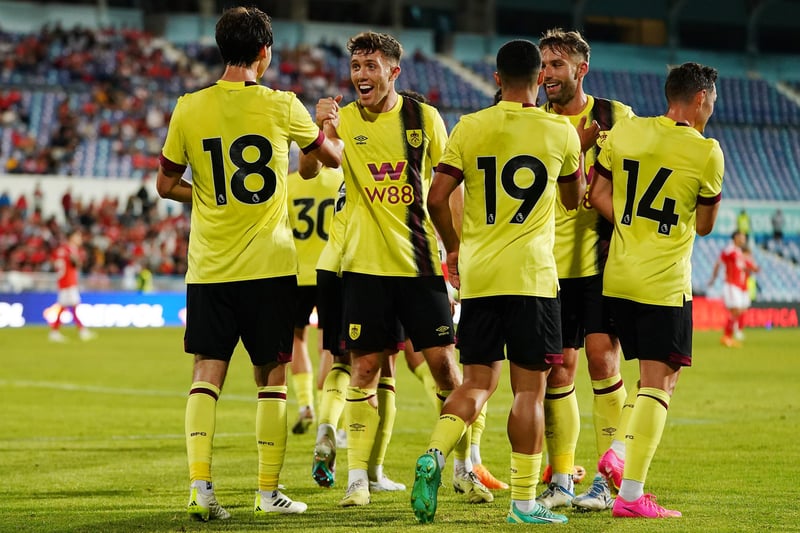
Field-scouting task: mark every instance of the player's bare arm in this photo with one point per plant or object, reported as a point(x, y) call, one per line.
point(706, 216)
point(170, 185)
point(572, 187)
point(588, 134)
point(600, 193)
point(442, 218)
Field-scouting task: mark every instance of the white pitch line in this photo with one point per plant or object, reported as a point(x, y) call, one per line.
point(73, 387)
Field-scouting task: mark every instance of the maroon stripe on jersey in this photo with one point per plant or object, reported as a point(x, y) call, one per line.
point(616, 386)
point(170, 166)
point(659, 400)
point(451, 171)
point(271, 395)
point(411, 119)
point(569, 178)
point(600, 170)
point(316, 144)
point(284, 357)
point(203, 390)
point(702, 200)
point(364, 399)
point(549, 396)
point(386, 386)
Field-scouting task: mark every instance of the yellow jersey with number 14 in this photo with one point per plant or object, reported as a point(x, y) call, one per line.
point(660, 171)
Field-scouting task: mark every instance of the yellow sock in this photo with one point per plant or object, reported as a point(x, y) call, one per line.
point(562, 427)
point(362, 426)
point(448, 431)
point(270, 435)
point(478, 426)
point(624, 416)
point(387, 411)
point(303, 384)
point(524, 475)
point(200, 422)
point(462, 449)
point(645, 428)
point(331, 403)
point(609, 397)
point(423, 373)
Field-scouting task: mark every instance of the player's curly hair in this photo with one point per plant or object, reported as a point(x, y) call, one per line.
point(368, 42)
point(240, 34)
point(685, 81)
point(569, 43)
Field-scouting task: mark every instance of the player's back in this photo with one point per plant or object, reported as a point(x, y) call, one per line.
point(236, 138)
point(512, 157)
point(660, 169)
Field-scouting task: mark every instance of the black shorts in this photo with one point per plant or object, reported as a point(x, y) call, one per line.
point(306, 300)
point(258, 311)
point(528, 327)
point(583, 310)
point(373, 305)
point(653, 332)
point(329, 311)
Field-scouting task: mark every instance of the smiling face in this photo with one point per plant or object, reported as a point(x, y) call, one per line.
point(373, 77)
point(562, 76)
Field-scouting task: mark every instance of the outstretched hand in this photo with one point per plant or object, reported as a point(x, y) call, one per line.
point(328, 109)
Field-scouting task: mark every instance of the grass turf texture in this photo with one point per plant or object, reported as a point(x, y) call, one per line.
point(92, 440)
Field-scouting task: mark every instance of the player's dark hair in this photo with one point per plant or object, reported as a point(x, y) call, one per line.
point(685, 81)
point(240, 33)
point(518, 62)
point(368, 42)
point(569, 43)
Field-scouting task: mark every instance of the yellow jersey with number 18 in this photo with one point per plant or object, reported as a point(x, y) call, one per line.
point(660, 171)
point(236, 138)
point(388, 163)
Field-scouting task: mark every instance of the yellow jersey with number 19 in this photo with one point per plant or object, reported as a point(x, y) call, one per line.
point(236, 138)
point(388, 164)
point(312, 204)
point(510, 157)
point(660, 171)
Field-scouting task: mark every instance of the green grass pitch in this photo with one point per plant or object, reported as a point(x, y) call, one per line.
point(91, 439)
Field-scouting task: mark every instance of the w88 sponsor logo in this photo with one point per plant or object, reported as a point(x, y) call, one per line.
point(393, 194)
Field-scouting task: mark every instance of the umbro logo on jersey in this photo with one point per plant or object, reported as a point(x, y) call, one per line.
point(360, 139)
point(443, 330)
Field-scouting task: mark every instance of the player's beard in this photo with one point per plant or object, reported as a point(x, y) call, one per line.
point(564, 95)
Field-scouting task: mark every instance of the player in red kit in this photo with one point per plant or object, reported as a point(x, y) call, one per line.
point(66, 260)
point(738, 267)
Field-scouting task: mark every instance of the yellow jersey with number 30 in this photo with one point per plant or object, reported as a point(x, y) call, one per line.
point(236, 138)
point(312, 204)
point(660, 171)
point(388, 164)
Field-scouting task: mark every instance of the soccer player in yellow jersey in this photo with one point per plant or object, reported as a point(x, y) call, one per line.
point(390, 264)
point(311, 207)
point(659, 180)
point(512, 158)
point(241, 280)
point(582, 238)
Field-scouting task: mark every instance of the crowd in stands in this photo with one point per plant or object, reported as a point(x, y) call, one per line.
point(118, 240)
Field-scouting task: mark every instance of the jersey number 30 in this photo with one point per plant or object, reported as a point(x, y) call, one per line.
point(244, 168)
